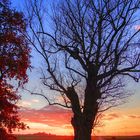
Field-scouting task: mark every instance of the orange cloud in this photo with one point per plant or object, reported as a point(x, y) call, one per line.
point(56, 120)
point(110, 116)
point(50, 115)
point(134, 116)
point(50, 119)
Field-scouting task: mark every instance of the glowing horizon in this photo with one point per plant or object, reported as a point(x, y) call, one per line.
point(54, 120)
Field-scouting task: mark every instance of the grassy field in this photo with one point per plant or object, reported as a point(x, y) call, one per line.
point(123, 138)
point(32, 137)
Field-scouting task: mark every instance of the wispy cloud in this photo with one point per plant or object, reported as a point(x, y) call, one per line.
point(36, 127)
point(134, 116)
point(51, 115)
point(35, 101)
point(56, 120)
point(24, 103)
point(50, 119)
point(111, 116)
point(29, 103)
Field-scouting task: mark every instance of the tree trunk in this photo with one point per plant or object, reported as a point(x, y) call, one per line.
point(82, 129)
point(83, 121)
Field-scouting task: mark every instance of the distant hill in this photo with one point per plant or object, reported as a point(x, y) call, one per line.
point(37, 134)
point(43, 134)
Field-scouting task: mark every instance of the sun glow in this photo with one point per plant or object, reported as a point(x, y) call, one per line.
point(56, 120)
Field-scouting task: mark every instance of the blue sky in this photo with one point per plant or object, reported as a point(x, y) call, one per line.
point(34, 76)
point(34, 83)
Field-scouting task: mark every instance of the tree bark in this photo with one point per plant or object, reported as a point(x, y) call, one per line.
point(82, 129)
point(83, 121)
point(83, 124)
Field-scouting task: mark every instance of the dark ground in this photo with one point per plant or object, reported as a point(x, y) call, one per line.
point(35, 137)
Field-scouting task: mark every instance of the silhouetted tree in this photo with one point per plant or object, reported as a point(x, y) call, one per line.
point(88, 48)
point(14, 61)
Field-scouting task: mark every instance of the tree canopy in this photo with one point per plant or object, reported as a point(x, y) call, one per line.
point(14, 62)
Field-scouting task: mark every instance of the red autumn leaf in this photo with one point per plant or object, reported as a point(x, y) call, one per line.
point(14, 62)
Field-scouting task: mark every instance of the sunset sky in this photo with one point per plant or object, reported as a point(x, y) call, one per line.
point(35, 112)
point(122, 120)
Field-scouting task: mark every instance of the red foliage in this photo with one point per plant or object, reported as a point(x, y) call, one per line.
point(14, 62)
point(5, 136)
point(14, 50)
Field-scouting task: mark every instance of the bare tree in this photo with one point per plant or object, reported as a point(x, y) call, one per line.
point(88, 48)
